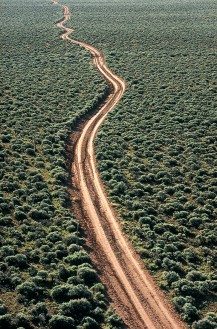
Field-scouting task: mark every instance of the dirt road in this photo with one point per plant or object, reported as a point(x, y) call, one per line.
point(131, 289)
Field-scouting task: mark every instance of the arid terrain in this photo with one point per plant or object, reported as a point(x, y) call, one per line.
point(130, 287)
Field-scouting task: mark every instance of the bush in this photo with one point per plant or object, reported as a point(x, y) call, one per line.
point(74, 247)
point(209, 322)
point(28, 289)
point(64, 273)
point(60, 293)
point(189, 312)
point(196, 276)
point(3, 309)
point(54, 236)
point(39, 308)
point(87, 274)
point(78, 258)
point(19, 260)
point(98, 313)
point(39, 313)
point(171, 277)
point(38, 214)
point(89, 323)
point(79, 291)
point(6, 221)
point(71, 239)
point(61, 321)
point(23, 320)
point(5, 321)
point(113, 320)
point(77, 308)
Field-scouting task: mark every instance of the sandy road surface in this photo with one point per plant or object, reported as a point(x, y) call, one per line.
point(132, 291)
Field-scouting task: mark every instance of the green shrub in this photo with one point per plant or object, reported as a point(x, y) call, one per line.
point(61, 321)
point(78, 258)
point(209, 322)
point(77, 308)
point(89, 323)
point(189, 312)
point(87, 274)
point(28, 289)
point(79, 291)
point(19, 260)
point(39, 313)
point(23, 320)
point(3, 309)
point(60, 293)
point(6, 321)
point(113, 320)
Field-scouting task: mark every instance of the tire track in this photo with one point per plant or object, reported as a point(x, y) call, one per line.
point(130, 287)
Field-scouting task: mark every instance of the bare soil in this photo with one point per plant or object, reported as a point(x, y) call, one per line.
point(131, 289)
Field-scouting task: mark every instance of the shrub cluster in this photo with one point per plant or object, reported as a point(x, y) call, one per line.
point(46, 277)
point(157, 150)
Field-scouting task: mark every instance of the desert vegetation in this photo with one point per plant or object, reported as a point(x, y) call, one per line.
point(157, 150)
point(47, 279)
point(156, 155)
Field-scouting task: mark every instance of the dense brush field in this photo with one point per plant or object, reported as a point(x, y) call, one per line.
point(156, 154)
point(157, 150)
point(46, 276)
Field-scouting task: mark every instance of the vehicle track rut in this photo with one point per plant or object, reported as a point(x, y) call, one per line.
point(131, 289)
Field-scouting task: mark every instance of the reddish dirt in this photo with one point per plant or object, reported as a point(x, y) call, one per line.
point(132, 291)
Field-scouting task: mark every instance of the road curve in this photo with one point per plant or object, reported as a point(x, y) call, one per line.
point(132, 290)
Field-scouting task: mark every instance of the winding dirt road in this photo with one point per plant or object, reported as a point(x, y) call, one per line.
point(131, 289)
